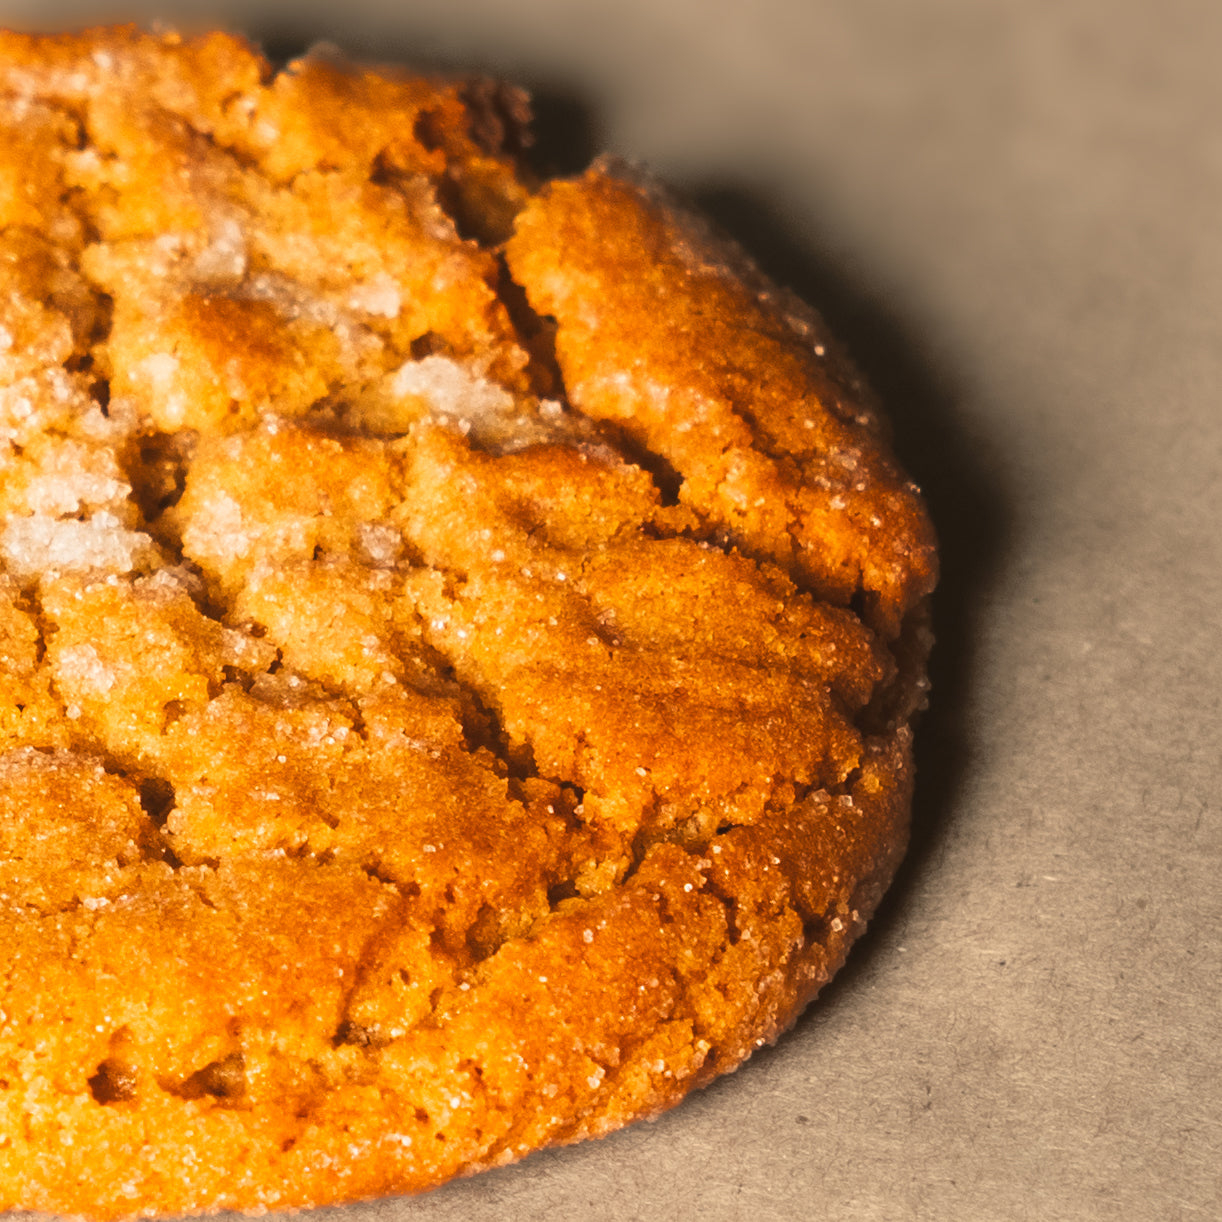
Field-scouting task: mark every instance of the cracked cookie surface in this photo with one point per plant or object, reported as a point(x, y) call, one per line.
point(458, 637)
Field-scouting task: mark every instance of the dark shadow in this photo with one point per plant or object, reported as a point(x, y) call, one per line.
point(969, 506)
point(280, 45)
point(567, 136)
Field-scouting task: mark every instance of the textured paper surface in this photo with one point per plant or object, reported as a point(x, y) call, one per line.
point(1011, 212)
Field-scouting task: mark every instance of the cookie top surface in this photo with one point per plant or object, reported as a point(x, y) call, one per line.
point(459, 636)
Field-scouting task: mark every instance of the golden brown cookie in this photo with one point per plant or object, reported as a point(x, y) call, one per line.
point(458, 637)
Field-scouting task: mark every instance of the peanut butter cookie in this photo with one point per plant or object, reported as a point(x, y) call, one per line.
point(459, 636)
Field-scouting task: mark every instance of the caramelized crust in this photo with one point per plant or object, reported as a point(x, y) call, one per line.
point(456, 641)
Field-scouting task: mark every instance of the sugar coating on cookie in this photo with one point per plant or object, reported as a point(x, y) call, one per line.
point(458, 636)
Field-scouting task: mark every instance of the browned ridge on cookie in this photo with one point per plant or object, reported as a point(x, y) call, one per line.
point(458, 636)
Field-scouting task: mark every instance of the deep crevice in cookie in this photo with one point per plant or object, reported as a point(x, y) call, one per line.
point(902, 697)
point(666, 478)
point(558, 892)
point(378, 872)
point(486, 934)
point(29, 601)
point(728, 901)
point(99, 392)
point(466, 211)
point(816, 928)
point(484, 730)
point(431, 343)
point(158, 476)
point(224, 1078)
point(429, 129)
point(113, 1082)
point(157, 798)
point(535, 332)
point(352, 1034)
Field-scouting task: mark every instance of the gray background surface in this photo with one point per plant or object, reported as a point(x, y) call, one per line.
point(1012, 211)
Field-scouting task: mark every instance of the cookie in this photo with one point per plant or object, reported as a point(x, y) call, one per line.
point(460, 636)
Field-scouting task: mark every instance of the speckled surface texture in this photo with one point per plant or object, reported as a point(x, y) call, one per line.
point(1010, 215)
